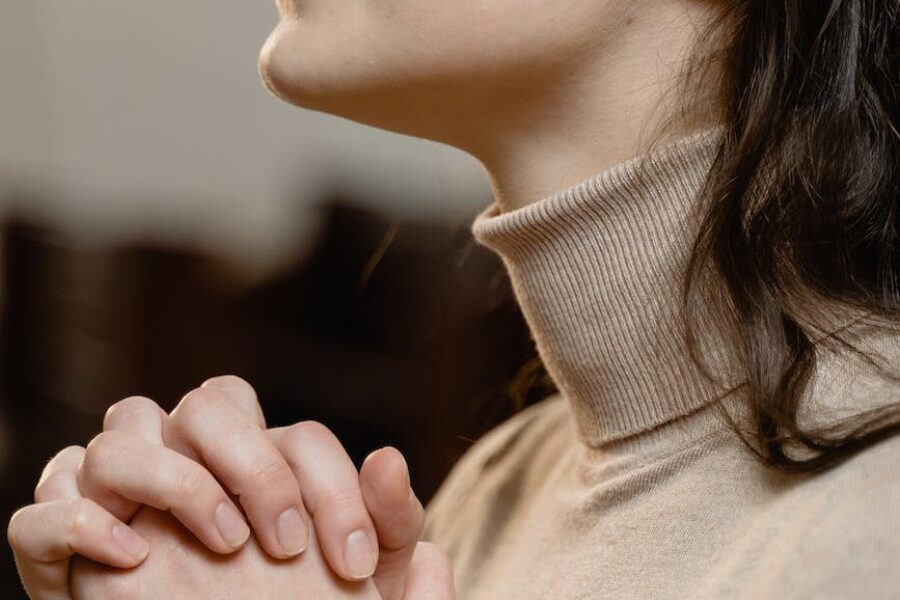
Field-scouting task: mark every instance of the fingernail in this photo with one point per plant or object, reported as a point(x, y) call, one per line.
point(360, 554)
point(231, 525)
point(292, 532)
point(133, 544)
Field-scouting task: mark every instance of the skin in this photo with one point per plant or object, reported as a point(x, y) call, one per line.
point(171, 571)
point(544, 95)
point(106, 503)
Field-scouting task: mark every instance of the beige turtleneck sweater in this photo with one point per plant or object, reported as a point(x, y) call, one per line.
point(626, 484)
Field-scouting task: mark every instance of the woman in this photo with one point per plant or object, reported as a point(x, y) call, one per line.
point(696, 204)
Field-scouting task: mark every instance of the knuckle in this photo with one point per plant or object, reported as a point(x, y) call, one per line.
point(77, 517)
point(16, 531)
point(68, 452)
point(344, 497)
point(240, 392)
point(67, 456)
point(191, 481)
point(41, 493)
point(230, 381)
point(299, 435)
point(305, 432)
point(99, 451)
point(66, 459)
point(128, 409)
point(268, 470)
point(196, 403)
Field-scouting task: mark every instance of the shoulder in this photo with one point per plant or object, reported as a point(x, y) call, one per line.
point(499, 451)
point(846, 542)
point(859, 375)
point(865, 489)
point(515, 434)
point(502, 444)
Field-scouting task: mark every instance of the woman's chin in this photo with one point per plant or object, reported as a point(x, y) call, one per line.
point(277, 64)
point(267, 66)
point(302, 70)
point(301, 65)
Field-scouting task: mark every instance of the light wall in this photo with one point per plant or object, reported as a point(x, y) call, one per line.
point(150, 118)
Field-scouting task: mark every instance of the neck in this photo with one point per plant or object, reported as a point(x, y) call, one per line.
point(603, 110)
point(597, 271)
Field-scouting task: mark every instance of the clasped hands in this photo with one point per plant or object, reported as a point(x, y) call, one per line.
point(103, 524)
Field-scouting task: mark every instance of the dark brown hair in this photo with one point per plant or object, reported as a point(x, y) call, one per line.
point(807, 93)
point(810, 94)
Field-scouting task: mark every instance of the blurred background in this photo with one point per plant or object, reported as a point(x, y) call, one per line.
point(164, 219)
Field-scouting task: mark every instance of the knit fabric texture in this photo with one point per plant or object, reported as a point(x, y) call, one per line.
point(627, 483)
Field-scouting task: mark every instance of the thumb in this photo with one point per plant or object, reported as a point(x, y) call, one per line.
point(397, 514)
point(430, 575)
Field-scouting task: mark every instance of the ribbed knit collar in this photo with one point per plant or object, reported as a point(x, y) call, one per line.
point(596, 269)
